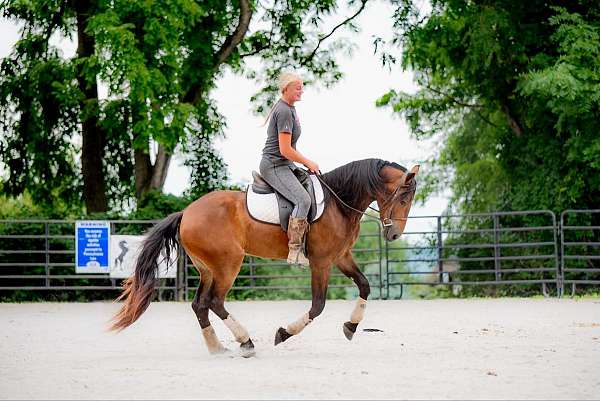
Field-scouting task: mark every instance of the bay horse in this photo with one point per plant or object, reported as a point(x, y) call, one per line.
point(216, 232)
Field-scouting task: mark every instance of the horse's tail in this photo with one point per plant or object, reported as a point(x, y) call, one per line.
point(139, 288)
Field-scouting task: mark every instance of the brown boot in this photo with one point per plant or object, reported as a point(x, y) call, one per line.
point(297, 228)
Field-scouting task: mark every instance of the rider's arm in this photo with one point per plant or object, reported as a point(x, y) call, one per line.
point(287, 151)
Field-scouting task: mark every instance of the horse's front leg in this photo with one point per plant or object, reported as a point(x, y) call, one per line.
point(319, 280)
point(348, 266)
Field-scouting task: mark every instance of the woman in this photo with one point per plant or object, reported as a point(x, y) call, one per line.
point(277, 164)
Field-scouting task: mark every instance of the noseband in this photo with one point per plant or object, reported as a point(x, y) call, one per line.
point(388, 221)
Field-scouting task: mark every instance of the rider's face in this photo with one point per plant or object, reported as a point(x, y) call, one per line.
point(294, 91)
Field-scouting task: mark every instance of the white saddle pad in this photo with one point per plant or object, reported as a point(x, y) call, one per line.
point(263, 207)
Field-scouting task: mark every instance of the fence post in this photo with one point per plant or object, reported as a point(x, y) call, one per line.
point(111, 231)
point(181, 280)
point(252, 271)
point(47, 232)
point(440, 251)
point(497, 248)
point(387, 289)
point(560, 251)
point(384, 253)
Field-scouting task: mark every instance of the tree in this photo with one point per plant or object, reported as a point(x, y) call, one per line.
point(512, 89)
point(159, 61)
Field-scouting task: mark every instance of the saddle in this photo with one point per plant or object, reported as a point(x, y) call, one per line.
point(266, 205)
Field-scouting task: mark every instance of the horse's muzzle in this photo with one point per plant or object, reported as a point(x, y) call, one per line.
point(390, 234)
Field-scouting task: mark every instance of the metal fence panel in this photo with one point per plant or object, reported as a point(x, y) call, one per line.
point(501, 248)
point(40, 255)
point(527, 248)
point(579, 248)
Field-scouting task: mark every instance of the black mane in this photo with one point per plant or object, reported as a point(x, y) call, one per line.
point(357, 182)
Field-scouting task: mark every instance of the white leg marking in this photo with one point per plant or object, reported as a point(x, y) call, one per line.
point(299, 325)
point(212, 341)
point(359, 310)
point(239, 332)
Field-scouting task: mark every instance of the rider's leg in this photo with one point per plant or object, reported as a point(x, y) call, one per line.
point(283, 179)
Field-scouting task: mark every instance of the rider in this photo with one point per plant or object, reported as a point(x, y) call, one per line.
point(277, 167)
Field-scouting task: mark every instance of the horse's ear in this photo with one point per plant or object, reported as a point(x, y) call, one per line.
point(410, 176)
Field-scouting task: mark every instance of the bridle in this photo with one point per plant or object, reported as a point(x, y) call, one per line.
point(387, 221)
point(410, 188)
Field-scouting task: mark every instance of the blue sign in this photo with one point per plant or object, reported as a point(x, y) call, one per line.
point(92, 240)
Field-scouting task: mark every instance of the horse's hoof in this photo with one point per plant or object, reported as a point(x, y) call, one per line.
point(247, 349)
point(349, 329)
point(281, 335)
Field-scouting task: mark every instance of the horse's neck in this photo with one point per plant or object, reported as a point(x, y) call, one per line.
point(362, 204)
point(356, 198)
point(352, 218)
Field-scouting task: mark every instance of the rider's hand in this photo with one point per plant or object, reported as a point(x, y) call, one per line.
point(312, 166)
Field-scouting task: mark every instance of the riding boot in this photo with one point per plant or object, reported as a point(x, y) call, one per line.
point(297, 228)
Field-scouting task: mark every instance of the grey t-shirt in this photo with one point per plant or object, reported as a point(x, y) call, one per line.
point(283, 119)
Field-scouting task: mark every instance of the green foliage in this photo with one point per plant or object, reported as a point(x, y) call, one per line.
point(292, 38)
point(38, 110)
point(160, 61)
point(24, 207)
point(156, 205)
point(512, 90)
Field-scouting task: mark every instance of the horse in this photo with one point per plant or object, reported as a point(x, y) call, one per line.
point(216, 232)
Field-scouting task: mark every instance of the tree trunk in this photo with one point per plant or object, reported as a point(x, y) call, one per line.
point(150, 177)
point(161, 167)
point(143, 172)
point(94, 137)
point(512, 122)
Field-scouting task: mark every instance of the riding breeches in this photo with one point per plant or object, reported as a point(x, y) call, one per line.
point(282, 178)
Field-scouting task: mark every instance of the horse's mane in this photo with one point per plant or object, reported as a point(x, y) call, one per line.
point(356, 181)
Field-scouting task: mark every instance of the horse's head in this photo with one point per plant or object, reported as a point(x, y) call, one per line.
point(395, 201)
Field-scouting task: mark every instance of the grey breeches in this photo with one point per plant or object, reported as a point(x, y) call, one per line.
point(282, 178)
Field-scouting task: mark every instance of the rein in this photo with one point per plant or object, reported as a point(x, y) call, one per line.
point(385, 221)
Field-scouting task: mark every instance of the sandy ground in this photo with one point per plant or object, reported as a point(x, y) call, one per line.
point(441, 349)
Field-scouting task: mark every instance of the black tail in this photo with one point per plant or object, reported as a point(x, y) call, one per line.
point(139, 288)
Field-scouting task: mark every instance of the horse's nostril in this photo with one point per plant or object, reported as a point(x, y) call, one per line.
point(395, 237)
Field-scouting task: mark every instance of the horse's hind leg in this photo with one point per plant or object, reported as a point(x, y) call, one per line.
point(223, 280)
point(319, 281)
point(200, 305)
point(348, 266)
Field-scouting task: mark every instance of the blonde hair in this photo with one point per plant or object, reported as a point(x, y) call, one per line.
point(284, 80)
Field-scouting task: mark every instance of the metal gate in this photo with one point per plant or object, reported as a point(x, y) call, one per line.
point(579, 248)
point(501, 248)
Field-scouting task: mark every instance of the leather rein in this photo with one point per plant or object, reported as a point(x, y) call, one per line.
point(387, 221)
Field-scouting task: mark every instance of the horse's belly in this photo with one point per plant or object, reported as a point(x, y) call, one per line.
point(266, 241)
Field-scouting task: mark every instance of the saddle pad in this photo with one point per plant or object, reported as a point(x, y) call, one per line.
point(264, 207)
